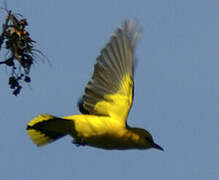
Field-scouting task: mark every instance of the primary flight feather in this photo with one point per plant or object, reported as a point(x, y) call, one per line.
point(105, 104)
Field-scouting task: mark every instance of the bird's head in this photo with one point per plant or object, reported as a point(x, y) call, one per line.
point(146, 140)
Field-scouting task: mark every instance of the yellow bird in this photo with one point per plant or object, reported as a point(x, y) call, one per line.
point(105, 104)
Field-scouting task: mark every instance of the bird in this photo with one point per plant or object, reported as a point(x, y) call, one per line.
point(105, 104)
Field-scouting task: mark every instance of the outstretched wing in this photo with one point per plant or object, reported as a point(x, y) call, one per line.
point(110, 90)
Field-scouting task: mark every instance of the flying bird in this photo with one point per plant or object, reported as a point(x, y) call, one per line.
point(105, 104)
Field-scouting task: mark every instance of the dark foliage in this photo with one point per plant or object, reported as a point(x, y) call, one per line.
point(17, 41)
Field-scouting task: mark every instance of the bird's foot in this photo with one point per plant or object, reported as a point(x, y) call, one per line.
point(78, 142)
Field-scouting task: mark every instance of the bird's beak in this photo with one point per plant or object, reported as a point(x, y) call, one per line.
point(156, 146)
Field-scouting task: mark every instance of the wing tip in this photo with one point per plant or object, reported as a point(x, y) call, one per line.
point(133, 30)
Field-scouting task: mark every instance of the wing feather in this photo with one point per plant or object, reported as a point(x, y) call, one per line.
point(110, 90)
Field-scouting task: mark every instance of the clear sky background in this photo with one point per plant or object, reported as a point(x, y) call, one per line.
point(176, 90)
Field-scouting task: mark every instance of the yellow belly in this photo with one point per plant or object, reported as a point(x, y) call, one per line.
point(110, 142)
point(103, 132)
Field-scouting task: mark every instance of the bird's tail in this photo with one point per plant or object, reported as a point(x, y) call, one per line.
point(45, 129)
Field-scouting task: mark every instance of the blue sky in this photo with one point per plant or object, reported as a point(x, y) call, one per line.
point(176, 90)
